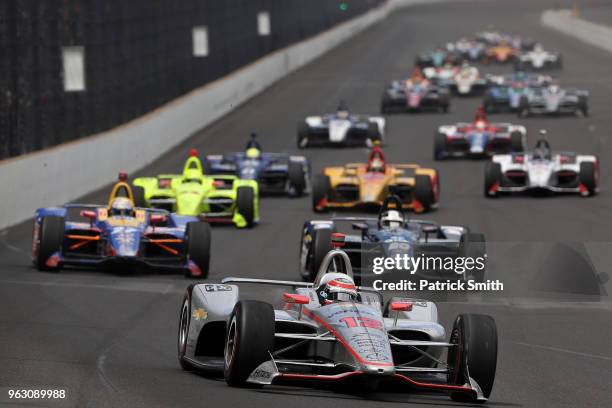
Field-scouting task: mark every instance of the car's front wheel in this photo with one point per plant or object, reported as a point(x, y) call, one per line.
point(249, 340)
point(245, 201)
point(50, 238)
point(473, 356)
point(183, 331)
point(297, 179)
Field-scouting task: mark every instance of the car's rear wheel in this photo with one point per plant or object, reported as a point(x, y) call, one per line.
point(589, 177)
point(439, 146)
point(303, 130)
point(474, 354)
point(424, 191)
point(516, 142)
point(493, 175)
point(249, 340)
point(245, 202)
point(297, 179)
point(197, 246)
point(374, 133)
point(473, 246)
point(385, 104)
point(321, 186)
point(139, 196)
point(319, 247)
point(50, 240)
point(583, 107)
point(444, 103)
point(523, 108)
point(488, 104)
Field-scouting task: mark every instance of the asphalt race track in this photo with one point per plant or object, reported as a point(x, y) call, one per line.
point(110, 339)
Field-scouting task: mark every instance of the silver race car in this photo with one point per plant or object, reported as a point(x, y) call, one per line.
point(553, 100)
point(542, 170)
point(333, 331)
point(538, 59)
point(342, 128)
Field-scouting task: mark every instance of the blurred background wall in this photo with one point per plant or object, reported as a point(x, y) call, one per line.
point(72, 68)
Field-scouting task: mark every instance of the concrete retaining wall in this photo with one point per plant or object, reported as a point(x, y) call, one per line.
point(591, 33)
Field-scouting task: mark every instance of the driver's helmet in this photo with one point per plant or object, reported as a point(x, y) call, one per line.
point(553, 88)
point(342, 111)
point(481, 115)
point(417, 75)
point(121, 207)
point(336, 287)
point(538, 48)
point(542, 149)
point(391, 220)
point(376, 161)
point(253, 142)
point(253, 153)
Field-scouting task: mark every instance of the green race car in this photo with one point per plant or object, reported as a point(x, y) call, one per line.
point(216, 199)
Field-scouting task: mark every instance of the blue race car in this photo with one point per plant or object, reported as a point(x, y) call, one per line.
point(389, 235)
point(276, 173)
point(505, 92)
point(120, 234)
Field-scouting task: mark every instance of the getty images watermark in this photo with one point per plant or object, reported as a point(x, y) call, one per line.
point(470, 270)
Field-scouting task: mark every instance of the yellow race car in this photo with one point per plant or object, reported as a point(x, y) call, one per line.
point(367, 185)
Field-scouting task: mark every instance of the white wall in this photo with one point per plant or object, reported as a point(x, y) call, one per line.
point(63, 173)
point(591, 33)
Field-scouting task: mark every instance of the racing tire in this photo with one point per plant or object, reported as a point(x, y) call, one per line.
point(493, 174)
point(475, 355)
point(488, 104)
point(445, 104)
point(385, 104)
point(439, 146)
point(139, 197)
point(197, 248)
point(320, 189)
point(424, 192)
point(245, 204)
point(583, 107)
point(297, 178)
point(206, 167)
point(588, 177)
point(319, 247)
point(523, 110)
point(51, 238)
point(473, 245)
point(303, 130)
point(374, 134)
point(183, 330)
point(559, 64)
point(249, 340)
point(516, 142)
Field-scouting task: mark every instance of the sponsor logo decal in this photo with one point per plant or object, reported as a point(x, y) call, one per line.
point(200, 314)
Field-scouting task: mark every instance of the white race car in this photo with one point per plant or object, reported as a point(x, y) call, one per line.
point(541, 170)
point(537, 59)
point(341, 129)
point(463, 80)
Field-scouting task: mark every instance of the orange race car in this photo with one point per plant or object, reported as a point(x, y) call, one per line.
point(501, 53)
point(367, 185)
